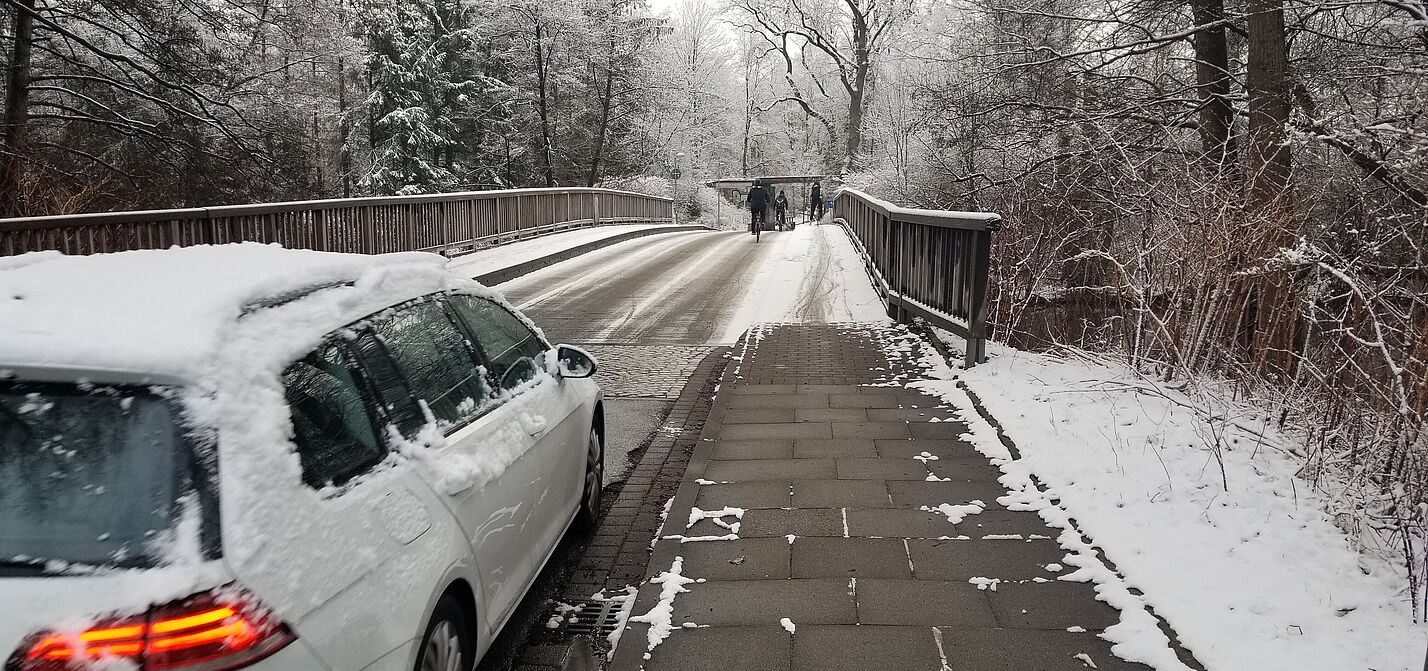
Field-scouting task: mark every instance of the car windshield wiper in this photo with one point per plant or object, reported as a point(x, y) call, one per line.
point(21, 567)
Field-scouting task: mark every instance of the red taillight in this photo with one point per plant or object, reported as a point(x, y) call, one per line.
point(203, 633)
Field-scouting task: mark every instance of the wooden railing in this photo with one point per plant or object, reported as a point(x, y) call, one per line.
point(446, 223)
point(931, 264)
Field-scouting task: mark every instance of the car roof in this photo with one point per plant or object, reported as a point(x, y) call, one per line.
point(167, 312)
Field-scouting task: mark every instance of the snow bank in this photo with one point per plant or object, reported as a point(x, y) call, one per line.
point(1237, 555)
point(505, 256)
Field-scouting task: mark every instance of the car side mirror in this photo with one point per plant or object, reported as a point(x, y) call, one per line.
point(573, 362)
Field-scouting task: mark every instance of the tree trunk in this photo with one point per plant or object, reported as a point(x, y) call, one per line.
point(854, 144)
point(605, 105)
point(1212, 77)
point(857, 92)
point(17, 113)
point(1269, 202)
point(547, 163)
point(345, 129)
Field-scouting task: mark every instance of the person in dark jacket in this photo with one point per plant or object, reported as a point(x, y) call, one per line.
point(815, 202)
point(781, 210)
point(758, 204)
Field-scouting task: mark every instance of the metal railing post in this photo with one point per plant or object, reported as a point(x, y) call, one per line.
point(977, 312)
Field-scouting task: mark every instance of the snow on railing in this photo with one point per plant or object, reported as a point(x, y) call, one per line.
point(436, 222)
point(931, 264)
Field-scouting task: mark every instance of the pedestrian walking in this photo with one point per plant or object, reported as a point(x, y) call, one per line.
point(781, 209)
point(815, 202)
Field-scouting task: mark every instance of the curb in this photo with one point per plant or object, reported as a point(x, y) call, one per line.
point(630, 655)
point(507, 274)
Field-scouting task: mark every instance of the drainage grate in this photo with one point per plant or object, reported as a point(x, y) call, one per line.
point(597, 617)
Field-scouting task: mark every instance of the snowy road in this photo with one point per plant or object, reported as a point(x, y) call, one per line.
point(697, 288)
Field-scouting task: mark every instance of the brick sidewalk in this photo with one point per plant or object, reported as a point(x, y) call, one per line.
point(816, 438)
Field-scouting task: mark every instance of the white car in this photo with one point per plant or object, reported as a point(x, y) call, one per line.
point(247, 457)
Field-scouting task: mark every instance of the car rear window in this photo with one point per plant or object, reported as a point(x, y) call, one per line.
point(89, 475)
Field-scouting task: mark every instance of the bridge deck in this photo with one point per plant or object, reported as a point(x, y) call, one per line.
point(859, 529)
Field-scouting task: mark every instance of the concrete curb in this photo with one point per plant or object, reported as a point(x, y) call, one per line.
point(629, 655)
point(507, 274)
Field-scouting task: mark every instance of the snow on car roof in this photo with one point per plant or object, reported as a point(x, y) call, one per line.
point(166, 311)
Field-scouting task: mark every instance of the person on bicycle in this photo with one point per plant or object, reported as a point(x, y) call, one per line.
point(758, 199)
point(815, 202)
point(781, 209)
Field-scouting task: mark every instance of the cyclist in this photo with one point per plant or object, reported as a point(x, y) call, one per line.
point(815, 202)
point(781, 209)
point(758, 200)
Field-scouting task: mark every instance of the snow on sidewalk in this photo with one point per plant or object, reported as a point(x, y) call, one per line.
point(1256, 577)
point(813, 274)
point(500, 257)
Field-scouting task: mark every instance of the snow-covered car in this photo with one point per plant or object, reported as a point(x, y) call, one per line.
point(242, 456)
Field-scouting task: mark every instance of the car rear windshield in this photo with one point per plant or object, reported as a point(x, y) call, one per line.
point(89, 475)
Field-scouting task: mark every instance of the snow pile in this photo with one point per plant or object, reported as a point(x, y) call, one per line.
point(717, 517)
point(659, 617)
point(955, 514)
point(1215, 529)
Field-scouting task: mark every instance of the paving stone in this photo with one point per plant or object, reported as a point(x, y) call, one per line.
point(964, 559)
point(965, 469)
point(855, 468)
point(780, 401)
point(758, 415)
point(761, 648)
point(755, 494)
point(645, 371)
point(743, 602)
point(834, 447)
point(1028, 650)
point(849, 558)
point(863, 400)
point(800, 522)
point(870, 430)
point(898, 523)
point(823, 648)
point(828, 389)
point(938, 431)
point(759, 389)
point(1049, 605)
point(840, 494)
point(743, 559)
point(1005, 522)
point(752, 449)
point(918, 493)
point(923, 602)
point(911, 414)
point(741, 470)
point(830, 415)
point(796, 431)
point(942, 449)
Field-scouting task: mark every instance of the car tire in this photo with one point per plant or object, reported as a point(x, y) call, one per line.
point(447, 644)
point(588, 516)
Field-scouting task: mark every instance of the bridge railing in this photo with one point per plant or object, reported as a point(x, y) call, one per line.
point(445, 223)
point(931, 264)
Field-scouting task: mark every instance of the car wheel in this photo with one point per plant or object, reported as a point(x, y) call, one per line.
point(447, 644)
point(589, 515)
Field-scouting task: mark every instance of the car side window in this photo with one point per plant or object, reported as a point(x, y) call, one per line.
point(332, 429)
point(515, 351)
point(431, 355)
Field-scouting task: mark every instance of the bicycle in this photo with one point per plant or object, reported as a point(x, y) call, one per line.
point(781, 221)
point(757, 218)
